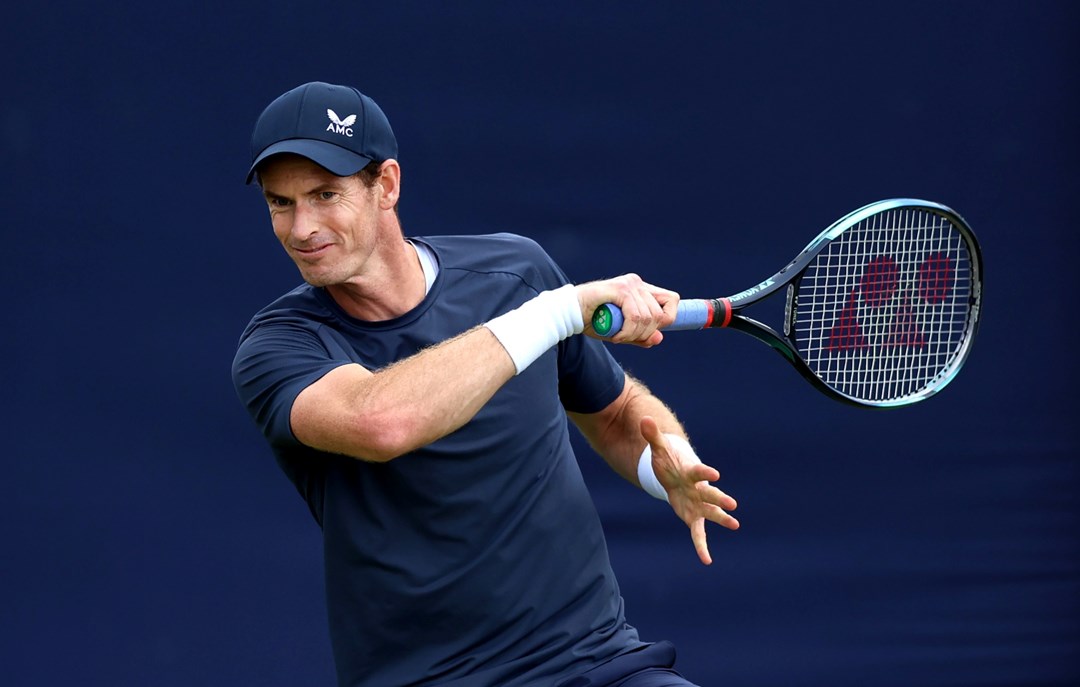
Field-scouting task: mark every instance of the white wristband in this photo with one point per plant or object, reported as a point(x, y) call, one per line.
point(646, 476)
point(538, 324)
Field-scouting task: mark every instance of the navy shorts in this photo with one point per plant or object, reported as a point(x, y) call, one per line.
point(649, 666)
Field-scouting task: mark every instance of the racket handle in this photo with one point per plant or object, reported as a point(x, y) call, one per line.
point(694, 313)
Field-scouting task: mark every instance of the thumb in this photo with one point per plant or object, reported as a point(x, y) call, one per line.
point(650, 431)
point(662, 458)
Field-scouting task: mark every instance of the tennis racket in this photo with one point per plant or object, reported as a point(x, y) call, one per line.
point(882, 307)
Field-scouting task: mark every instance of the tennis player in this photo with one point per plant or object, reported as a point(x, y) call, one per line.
point(416, 391)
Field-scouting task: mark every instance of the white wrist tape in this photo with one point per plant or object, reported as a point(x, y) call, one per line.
point(647, 477)
point(645, 473)
point(538, 324)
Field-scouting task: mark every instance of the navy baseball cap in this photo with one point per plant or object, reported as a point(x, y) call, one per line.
point(336, 127)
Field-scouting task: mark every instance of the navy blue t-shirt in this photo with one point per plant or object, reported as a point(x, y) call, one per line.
point(478, 559)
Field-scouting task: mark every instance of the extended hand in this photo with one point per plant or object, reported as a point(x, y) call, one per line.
point(686, 480)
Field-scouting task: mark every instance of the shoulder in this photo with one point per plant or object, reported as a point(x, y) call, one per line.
point(287, 344)
point(498, 253)
point(484, 248)
point(299, 307)
point(293, 320)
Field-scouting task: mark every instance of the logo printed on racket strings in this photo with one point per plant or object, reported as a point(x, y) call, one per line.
point(339, 125)
point(883, 310)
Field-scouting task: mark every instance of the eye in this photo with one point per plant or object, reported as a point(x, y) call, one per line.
point(277, 202)
point(327, 195)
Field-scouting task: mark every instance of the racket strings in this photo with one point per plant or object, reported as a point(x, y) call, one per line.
point(883, 311)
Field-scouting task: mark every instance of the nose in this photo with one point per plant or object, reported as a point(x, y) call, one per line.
point(305, 223)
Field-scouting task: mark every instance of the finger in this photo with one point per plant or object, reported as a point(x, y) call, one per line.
point(642, 311)
point(652, 297)
point(653, 340)
point(697, 535)
point(726, 502)
point(627, 286)
point(668, 301)
point(717, 515)
point(722, 500)
point(710, 494)
point(703, 473)
point(633, 323)
point(645, 318)
point(656, 317)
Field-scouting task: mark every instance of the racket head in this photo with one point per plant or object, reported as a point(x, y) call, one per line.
point(884, 304)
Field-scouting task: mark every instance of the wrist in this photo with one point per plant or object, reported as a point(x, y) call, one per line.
point(528, 331)
point(647, 477)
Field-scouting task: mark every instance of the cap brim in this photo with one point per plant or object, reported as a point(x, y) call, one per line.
point(334, 158)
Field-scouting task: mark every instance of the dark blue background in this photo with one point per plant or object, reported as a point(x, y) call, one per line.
point(149, 538)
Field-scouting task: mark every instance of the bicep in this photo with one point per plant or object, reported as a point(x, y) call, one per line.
point(322, 415)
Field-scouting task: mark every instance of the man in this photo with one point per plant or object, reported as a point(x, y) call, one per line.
point(416, 392)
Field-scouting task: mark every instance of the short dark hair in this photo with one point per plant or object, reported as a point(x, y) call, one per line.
point(369, 174)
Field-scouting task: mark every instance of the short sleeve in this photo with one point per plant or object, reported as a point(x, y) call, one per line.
point(590, 379)
point(273, 364)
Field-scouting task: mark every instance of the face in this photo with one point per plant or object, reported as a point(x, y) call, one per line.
point(329, 225)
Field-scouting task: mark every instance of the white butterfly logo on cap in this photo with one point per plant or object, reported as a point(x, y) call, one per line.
point(339, 125)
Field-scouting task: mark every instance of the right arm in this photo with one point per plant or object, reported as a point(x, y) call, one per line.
point(378, 416)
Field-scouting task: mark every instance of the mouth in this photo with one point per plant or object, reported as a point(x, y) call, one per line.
point(311, 251)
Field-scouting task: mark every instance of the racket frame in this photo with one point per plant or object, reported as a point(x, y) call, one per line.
point(790, 274)
point(725, 312)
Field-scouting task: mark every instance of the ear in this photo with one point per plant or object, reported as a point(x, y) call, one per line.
point(389, 182)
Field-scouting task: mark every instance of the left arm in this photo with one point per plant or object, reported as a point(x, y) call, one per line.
point(620, 432)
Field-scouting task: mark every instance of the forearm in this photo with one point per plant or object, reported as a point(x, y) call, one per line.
point(380, 416)
point(615, 433)
point(433, 393)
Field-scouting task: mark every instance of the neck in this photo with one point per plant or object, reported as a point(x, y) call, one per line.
point(394, 288)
